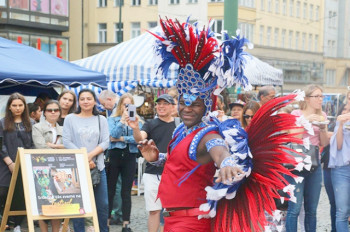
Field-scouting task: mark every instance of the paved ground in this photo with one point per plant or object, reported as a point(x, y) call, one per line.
point(139, 215)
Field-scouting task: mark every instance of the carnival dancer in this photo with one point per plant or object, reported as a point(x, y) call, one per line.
point(249, 161)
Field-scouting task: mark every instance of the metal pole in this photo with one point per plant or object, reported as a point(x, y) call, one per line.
point(231, 16)
point(82, 28)
point(120, 22)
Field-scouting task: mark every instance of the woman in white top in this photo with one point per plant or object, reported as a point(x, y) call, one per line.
point(47, 134)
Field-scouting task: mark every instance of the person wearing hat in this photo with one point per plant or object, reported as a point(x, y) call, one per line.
point(160, 130)
point(237, 110)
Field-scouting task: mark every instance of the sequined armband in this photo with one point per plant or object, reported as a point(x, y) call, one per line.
point(214, 143)
point(229, 161)
point(161, 160)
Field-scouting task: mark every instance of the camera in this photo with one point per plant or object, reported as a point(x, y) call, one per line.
point(132, 112)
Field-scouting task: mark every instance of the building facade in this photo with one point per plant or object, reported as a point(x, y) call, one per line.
point(37, 23)
point(337, 44)
point(307, 39)
point(100, 24)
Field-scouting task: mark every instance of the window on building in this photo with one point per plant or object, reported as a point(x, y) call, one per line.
point(297, 34)
point(277, 6)
point(152, 24)
point(303, 41)
point(117, 2)
point(330, 77)
point(247, 3)
point(135, 2)
point(247, 30)
point(173, 2)
point(261, 35)
point(152, 2)
point(311, 13)
point(268, 35)
point(101, 3)
point(192, 1)
point(262, 5)
point(291, 7)
point(218, 26)
point(317, 13)
point(297, 9)
point(102, 32)
point(284, 7)
point(304, 10)
point(283, 38)
point(118, 33)
point(290, 39)
point(310, 42)
point(316, 43)
point(276, 39)
point(269, 5)
point(334, 51)
point(135, 29)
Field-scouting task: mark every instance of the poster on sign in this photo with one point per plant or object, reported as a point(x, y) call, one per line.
point(19, 4)
point(56, 184)
point(40, 6)
point(59, 7)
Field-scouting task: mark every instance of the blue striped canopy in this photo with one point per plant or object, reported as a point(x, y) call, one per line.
point(131, 63)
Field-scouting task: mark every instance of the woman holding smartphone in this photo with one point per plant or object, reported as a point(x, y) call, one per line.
point(122, 153)
point(16, 131)
point(86, 128)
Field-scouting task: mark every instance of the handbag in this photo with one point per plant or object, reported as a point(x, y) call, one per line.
point(313, 153)
point(95, 173)
point(95, 176)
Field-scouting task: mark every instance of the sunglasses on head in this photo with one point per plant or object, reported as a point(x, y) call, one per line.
point(246, 116)
point(52, 110)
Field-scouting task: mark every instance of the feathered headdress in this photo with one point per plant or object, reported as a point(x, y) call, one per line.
point(204, 65)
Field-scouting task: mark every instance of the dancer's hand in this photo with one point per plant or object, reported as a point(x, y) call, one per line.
point(227, 174)
point(148, 150)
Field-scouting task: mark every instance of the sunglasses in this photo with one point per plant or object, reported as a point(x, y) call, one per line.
point(246, 116)
point(52, 110)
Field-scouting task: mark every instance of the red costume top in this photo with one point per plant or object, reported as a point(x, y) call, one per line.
point(191, 193)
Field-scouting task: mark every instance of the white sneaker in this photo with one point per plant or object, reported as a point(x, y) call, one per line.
point(17, 229)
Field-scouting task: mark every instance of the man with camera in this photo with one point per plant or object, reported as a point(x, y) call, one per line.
point(160, 130)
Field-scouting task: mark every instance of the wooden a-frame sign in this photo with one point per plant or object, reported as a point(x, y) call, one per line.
point(40, 164)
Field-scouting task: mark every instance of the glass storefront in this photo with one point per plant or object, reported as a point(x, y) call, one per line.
point(50, 12)
point(54, 45)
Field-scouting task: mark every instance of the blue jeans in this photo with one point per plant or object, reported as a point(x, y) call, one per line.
point(341, 186)
point(309, 190)
point(327, 180)
point(101, 200)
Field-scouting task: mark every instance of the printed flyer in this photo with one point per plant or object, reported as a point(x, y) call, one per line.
point(57, 185)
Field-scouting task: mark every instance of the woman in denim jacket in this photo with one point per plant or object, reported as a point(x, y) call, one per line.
point(122, 153)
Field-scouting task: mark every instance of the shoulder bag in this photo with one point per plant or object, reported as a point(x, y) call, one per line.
point(313, 152)
point(95, 173)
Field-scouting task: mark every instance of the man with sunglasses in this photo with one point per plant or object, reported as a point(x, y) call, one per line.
point(160, 130)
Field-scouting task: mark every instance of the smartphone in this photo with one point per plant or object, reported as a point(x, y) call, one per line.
point(132, 112)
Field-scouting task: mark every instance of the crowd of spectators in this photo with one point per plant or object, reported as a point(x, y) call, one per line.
point(73, 121)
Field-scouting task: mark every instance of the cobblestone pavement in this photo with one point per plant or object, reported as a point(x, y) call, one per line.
point(139, 215)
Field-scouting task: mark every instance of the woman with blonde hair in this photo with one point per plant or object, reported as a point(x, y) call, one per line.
point(122, 153)
point(309, 189)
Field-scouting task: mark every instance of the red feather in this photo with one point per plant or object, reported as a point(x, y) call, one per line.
point(267, 136)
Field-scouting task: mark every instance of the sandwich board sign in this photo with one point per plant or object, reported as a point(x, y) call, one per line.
point(56, 185)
